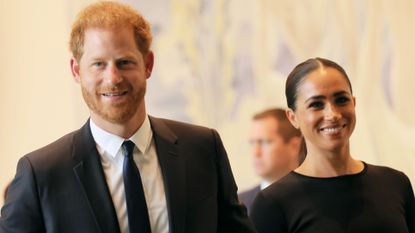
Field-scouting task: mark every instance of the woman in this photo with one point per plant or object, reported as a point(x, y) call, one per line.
point(331, 191)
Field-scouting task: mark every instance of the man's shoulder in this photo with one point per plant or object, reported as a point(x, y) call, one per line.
point(250, 192)
point(247, 197)
point(176, 124)
point(179, 128)
point(55, 151)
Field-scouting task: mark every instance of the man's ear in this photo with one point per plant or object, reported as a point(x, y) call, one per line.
point(75, 70)
point(292, 118)
point(149, 62)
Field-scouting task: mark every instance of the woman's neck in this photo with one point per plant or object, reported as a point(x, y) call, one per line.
point(323, 163)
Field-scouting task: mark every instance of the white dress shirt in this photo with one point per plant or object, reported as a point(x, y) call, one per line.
point(145, 157)
point(264, 184)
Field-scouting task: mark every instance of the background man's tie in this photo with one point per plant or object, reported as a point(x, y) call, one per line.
point(138, 219)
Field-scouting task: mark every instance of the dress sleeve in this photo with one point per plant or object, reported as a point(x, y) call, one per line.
point(267, 216)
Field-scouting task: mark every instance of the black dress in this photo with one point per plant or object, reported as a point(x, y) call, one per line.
point(376, 200)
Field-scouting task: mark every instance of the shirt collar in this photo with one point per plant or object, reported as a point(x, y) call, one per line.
point(111, 143)
point(264, 184)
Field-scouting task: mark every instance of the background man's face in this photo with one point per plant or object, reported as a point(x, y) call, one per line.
point(270, 153)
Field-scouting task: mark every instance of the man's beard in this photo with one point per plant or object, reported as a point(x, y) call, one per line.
point(117, 113)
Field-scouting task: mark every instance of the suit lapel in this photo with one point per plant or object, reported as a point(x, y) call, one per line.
point(173, 170)
point(90, 174)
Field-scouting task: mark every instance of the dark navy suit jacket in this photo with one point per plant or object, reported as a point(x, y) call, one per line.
point(61, 188)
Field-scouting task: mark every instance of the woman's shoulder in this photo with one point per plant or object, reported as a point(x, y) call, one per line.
point(286, 186)
point(379, 170)
point(386, 175)
point(273, 204)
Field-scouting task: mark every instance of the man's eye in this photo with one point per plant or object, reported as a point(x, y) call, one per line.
point(98, 64)
point(125, 62)
point(260, 142)
point(266, 142)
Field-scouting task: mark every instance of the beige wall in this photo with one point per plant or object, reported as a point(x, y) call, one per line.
point(38, 98)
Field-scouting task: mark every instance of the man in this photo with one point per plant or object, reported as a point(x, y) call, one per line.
point(275, 149)
point(85, 181)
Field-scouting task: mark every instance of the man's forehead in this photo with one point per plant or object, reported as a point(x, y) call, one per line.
point(268, 120)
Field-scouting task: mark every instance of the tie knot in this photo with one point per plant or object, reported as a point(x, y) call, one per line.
point(128, 148)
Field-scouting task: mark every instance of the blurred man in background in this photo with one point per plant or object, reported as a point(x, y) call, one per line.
point(275, 147)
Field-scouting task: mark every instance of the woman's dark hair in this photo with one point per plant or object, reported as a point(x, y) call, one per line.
point(296, 76)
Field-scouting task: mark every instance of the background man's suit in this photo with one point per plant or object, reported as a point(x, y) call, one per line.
point(61, 188)
point(248, 197)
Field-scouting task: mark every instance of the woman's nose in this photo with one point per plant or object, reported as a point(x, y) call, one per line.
point(331, 113)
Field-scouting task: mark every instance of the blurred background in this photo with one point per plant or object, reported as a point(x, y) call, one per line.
point(217, 62)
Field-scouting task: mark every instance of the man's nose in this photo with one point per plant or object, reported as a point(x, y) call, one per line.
point(113, 75)
point(256, 149)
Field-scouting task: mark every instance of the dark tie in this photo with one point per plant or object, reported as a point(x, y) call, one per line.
point(138, 220)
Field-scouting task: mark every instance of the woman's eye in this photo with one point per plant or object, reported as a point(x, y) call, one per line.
point(342, 100)
point(316, 105)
